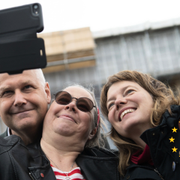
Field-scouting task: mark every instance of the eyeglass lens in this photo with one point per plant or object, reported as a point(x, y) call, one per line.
point(84, 104)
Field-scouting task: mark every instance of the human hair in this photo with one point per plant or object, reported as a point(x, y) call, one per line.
point(40, 76)
point(163, 97)
point(97, 140)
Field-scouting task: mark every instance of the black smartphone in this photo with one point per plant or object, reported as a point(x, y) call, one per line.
point(20, 49)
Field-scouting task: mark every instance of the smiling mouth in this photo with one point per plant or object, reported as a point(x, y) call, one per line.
point(126, 112)
point(67, 117)
point(21, 111)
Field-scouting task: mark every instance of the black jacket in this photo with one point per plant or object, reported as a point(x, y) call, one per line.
point(141, 172)
point(161, 141)
point(164, 143)
point(19, 162)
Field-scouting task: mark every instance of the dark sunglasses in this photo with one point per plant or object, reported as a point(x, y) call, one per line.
point(84, 104)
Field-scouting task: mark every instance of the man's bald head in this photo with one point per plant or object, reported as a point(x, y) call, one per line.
point(24, 100)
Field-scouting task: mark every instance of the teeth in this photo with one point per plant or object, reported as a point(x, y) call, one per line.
point(126, 112)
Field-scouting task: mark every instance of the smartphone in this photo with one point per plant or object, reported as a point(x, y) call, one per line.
point(20, 49)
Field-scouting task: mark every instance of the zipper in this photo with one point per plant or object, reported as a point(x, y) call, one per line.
point(158, 173)
point(31, 176)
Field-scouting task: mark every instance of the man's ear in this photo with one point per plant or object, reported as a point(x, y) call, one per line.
point(92, 134)
point(48, 92)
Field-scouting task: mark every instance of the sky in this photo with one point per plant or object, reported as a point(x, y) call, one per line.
point(59, 15)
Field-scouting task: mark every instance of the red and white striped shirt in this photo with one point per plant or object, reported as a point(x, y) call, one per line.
point(74, 174)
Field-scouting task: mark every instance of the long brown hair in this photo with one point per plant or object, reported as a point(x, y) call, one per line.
point(163, 98)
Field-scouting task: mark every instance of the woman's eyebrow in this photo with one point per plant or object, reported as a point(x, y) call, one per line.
point(112, 98)
point(121, 90)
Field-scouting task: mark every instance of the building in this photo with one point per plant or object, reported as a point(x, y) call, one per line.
point(89, 58)
point(151, 48)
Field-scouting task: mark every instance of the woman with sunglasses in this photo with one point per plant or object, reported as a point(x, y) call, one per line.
point(145, 118)
point(70, 147)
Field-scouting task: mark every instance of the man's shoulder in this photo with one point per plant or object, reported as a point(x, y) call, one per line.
point(6, 143)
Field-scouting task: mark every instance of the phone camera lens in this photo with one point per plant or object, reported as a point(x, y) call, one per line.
point(35, 6)
point(36, 9)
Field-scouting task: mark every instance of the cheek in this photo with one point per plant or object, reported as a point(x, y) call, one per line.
point(148, 112)
point(54, 108)
point(111, 117)
point(4, 107)
point(87, 121)
point(149, 104)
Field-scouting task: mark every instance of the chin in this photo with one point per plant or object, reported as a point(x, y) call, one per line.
point(30, 125)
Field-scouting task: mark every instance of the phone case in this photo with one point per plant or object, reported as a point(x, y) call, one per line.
point(22, 18)
point(20, 49)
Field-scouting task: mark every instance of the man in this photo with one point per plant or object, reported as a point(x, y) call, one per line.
point(24, 100)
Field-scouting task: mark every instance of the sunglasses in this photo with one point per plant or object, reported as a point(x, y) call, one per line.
point(84, 104)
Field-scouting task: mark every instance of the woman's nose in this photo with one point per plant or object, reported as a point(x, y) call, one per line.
point(71, 105)
point(120, 101)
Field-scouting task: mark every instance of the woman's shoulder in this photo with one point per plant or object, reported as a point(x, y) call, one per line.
point(141, 172)
point(163, 141)
point(100, 152)
point(99, 163)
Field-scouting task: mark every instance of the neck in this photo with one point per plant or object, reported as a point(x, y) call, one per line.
point(135, 135)
point(140, 142)
point(68, 143)
point(27, 138)
point(60, 158)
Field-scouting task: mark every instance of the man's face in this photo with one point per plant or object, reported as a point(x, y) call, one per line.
point(23, 101)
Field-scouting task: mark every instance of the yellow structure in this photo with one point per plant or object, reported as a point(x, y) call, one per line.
point(69, 49)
